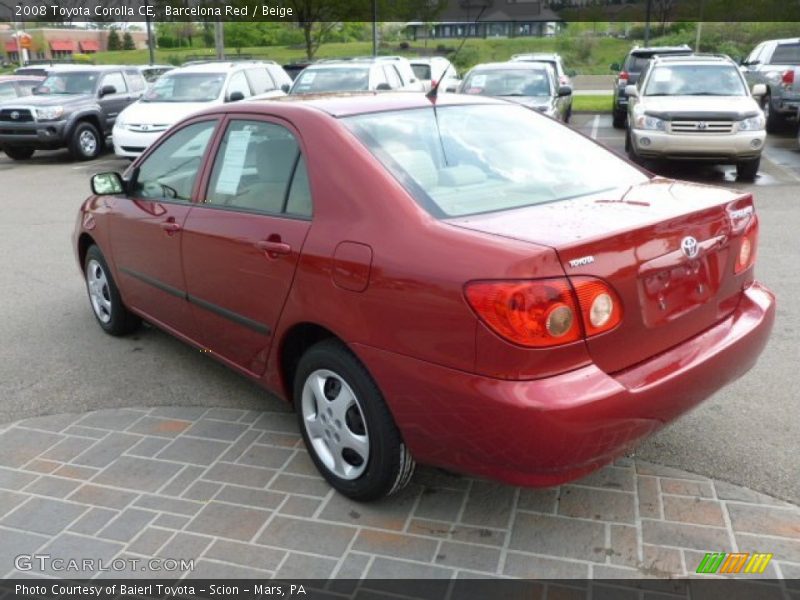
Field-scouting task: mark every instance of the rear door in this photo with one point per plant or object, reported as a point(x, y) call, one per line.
point(243, 240)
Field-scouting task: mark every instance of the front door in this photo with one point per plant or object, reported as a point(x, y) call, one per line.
point(146, 228)
point(242, 242)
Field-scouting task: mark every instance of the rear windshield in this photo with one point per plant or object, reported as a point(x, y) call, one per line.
point(695, 80)
point(508, 82)
point(465, 160)
point(786, 54)
point(317, 80)
point(636, 63)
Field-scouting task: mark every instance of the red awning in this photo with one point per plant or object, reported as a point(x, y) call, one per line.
point(89, 46)
point(62, 46)
point(11, 46)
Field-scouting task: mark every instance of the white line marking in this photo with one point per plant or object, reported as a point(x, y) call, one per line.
point(595, 125)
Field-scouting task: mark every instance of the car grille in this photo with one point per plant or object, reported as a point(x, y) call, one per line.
point(701, 126)
point(17, 131)
point(16, 115)
point(147, 128)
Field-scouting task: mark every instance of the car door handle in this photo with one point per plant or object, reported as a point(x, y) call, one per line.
point(273, 247)
point(170, 227)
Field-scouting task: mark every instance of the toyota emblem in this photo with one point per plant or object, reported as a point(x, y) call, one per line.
point(701, 125)
point(689, 247)
point(14, 115)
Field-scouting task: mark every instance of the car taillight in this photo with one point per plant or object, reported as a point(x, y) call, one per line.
point(788, 78)
point(623, 76)
point(536, 313)
point(601, 308)
point(746, 256)
point(545, 312)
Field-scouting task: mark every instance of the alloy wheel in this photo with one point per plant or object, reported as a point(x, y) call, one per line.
point(99, 293)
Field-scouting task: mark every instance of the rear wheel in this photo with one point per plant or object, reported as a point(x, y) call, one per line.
point(773, 119)
point(618, 120)
point(748, 169)
point(85, 143)
point(346, 425)
point(19, 153)
point(104, 297)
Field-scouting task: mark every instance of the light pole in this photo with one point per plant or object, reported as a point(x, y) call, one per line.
point(374, 27)
point(150, 40)
point(647, 23)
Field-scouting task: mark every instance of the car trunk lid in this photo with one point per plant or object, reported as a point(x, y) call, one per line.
point(637, 239)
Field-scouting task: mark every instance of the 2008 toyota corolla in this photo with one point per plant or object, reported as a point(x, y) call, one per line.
point(460, 282)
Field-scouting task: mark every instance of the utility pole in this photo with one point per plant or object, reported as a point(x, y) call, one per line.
point(699, 28)
point(647, 22)
point(219, 39)
point(374, 27)
point(151, 43)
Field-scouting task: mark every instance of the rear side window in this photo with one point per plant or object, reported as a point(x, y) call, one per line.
point(259, 168)
point(786, 54)
point(115, 79)
point(260, 80)
point(422, 71)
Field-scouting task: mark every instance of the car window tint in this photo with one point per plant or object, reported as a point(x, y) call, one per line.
point(253, 167)
point(116, 80)
point(786, 54)
point(299, 201)
point(7, 91)
point(260, 80)
point(238, 83)
point(393, 77)
point(170, 171)
point(422, 71)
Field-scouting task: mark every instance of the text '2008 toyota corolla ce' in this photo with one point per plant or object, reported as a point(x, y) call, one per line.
point(463, 283)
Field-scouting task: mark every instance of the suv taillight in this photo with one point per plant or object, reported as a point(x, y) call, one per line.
point(623, 76)
point(788, 78)
point(545, 312)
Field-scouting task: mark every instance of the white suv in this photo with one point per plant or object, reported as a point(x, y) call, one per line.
point(181, 92)
point(696, 107)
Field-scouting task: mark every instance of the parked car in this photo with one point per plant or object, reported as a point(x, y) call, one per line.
point(153, 72)
point(43, 69)
point(434, 70)
point(464, 283)
point(73, 108)
point(563, 76)
point(181, 92)
point(16, 86)
point(628, 74)
point(351, 75)
point(773, 63)
point(696, 108)
point(531, 84)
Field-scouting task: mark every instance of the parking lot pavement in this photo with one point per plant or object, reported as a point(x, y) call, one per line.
point(234, 491)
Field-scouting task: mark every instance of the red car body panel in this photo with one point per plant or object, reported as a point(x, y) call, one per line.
point(377, 271)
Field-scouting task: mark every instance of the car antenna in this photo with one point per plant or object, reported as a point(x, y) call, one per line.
point(433, 93)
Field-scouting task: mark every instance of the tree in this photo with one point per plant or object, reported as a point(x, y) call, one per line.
point(113, 40)
point(240, 34)
point(127, 42)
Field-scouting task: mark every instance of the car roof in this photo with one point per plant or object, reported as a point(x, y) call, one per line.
point(344, 64)
point(513, 64)
point(21, 77)
point(214, 66)
point(694, 59)
point(787, 41)
point(426, 60)
point(651, 50)
point(537, 56)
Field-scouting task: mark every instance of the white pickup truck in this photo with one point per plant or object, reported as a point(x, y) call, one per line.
point(775, 64)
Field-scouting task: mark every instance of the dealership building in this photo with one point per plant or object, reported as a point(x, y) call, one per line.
point(59, 44)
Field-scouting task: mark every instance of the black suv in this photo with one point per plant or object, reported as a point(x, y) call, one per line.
point(72, 108)
point(631, 70)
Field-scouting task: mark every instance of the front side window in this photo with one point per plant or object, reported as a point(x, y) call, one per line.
point(695, 80)
point(508, 82)
point(169, 173)
point(69, 83)
point(259, 168)
point(186, 87)
point(136, 81)
point(463, 160)
point(116, 81)
point(260, 80)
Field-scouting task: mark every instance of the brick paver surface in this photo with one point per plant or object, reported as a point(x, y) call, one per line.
point(235, 491)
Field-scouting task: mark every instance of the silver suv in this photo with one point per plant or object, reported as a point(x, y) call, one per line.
point(696, 108)
point(774, 63)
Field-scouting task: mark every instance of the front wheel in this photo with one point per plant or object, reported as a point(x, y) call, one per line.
point(346, 425)
point(19, 153)
point(748, 169)
point(85, 143)
point(104, 297)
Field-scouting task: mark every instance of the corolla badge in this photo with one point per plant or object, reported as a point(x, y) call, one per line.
point(689, 247)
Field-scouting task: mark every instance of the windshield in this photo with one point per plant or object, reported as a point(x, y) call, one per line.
point(186, 87)
point(508, 82)
point(464, 160)
point(332, 80)
point(69, 83)
point(695, 80)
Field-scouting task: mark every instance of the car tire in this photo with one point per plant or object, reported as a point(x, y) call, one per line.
point(346, 426)
point(748, 169)
point(85, 142)
point(618, 120)
point(104, 297)
point(19, 153)
point(773, 119)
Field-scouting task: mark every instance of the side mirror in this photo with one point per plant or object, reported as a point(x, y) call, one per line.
point(759, 90)
point(631, 91)
point(107, 90)
point(564, 90)
point(383, 87)
point(107, 184)
point(615, 67)
point(285, 88)
point(236, 97)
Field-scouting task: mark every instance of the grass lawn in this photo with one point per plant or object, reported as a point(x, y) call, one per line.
point(592, 103)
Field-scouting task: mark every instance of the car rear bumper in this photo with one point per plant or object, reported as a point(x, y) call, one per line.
point(698, 146)
point(32, 134)
point(130, 144)
point(547, 431)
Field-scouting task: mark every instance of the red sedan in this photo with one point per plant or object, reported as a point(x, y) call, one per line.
point(463, 283)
